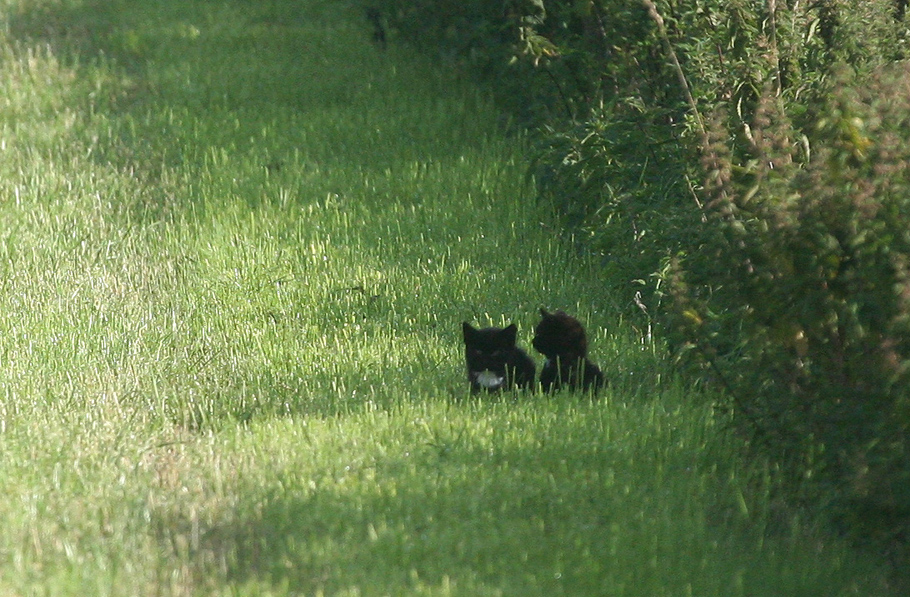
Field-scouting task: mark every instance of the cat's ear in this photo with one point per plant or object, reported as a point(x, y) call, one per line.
point(510, 333)
point(543, 312)
point(467, 330)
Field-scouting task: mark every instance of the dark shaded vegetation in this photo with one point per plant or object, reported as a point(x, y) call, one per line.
point(743, 169)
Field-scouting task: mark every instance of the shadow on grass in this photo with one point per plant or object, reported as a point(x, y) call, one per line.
point(488, 519)
point(576, 502)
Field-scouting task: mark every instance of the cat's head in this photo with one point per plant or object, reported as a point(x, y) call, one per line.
point(488, 352)
point(560, 335)
point(489, 340)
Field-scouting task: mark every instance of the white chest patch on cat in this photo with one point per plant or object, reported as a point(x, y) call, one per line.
point(489, 380)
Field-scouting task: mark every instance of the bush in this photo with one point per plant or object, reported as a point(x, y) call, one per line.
point(618, 181)
point(800, 304)
point(627, 169)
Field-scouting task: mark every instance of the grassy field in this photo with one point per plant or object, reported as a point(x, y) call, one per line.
point(237, 243)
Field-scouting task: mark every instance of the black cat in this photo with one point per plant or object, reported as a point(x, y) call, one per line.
point(494, 362)
point(561, 338)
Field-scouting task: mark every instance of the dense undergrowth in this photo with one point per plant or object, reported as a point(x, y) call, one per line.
point(742, 169)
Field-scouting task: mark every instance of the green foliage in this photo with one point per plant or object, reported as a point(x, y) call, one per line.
point(614, 179)
point(800, 303)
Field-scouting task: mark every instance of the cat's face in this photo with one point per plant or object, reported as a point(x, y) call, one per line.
point(488, 348)
point(559, 334)
point(487, 353)
point(494, 362)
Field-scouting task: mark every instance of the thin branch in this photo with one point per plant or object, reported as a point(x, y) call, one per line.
point(775, 59)
point(565, 101)
point(683, 82)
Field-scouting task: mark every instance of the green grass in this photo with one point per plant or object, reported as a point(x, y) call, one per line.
point(236, 246)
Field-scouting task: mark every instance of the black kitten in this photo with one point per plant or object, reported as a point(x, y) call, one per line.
point(494, 362)
point(561, 338)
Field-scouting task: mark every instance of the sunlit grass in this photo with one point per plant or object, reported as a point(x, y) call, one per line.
point(236, 246)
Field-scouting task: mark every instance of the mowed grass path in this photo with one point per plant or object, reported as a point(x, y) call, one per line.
point(237, 243)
